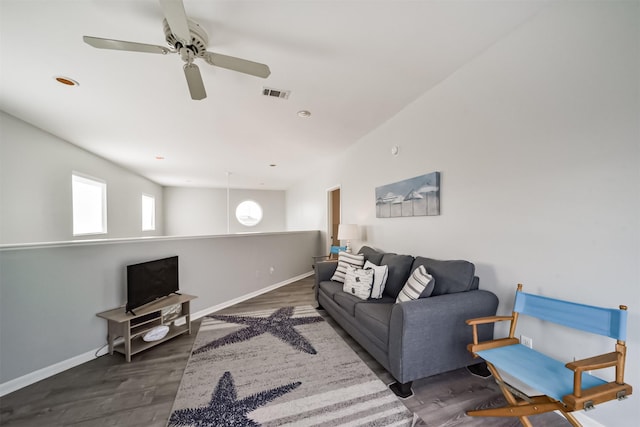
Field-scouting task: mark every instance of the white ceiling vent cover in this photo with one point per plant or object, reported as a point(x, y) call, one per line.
point(276, 93)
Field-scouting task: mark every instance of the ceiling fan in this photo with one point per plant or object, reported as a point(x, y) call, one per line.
point(188, 39)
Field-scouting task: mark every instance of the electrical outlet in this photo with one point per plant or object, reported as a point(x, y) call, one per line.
point(526, 341)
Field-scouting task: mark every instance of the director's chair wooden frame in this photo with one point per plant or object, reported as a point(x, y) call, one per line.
point(565, 387)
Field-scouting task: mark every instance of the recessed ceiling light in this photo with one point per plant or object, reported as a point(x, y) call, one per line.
point(66, 81)
point(273, 165)
point(304, 113)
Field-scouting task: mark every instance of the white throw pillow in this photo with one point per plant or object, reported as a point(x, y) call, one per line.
point(358, 282)
point(380, 274)
point(346, 259)
point(419, 283)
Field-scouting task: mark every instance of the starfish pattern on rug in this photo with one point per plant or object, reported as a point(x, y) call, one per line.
point(224, 408)
point(280, 324)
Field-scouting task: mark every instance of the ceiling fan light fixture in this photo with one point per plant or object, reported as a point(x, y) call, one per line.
point(66, 81)
point(189, 40)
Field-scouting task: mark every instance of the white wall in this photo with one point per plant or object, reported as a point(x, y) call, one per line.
point(202, 211)
point(35, 188)
point(538, 143)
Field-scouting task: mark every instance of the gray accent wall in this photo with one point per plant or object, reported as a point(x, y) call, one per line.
point(35, 188)
point(50, 294)
point(538, 144)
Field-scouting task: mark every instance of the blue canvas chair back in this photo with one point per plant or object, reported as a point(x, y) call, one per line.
point(610, 322)
point(336, 249)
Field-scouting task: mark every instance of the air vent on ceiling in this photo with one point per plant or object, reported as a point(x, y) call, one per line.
point(276, 93)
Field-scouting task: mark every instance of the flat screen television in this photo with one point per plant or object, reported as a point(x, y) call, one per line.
point(151, 280)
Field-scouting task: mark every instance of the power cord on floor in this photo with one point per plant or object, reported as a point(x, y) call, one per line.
point(99, 350)
point(105, 345)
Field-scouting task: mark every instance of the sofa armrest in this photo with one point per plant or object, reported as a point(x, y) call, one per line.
point(323, 271)
point(430, 335)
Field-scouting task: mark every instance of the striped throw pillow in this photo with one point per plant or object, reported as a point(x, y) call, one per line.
point(420, 283)
point(381, 272)
point(346, 259)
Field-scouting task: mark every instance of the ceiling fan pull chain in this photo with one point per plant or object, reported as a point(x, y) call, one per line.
point(187, 55)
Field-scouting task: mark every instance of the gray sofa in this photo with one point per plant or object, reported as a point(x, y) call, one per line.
point(413, 339)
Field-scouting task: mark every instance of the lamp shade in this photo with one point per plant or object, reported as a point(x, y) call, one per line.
point(347, 231)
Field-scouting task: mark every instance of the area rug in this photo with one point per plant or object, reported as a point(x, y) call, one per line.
point(280, 367)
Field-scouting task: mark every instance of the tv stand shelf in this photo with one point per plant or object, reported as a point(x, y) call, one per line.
point(133, 327)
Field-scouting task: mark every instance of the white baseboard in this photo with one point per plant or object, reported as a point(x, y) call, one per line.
point(585, 420)
point(226, 304)
point(48, 371)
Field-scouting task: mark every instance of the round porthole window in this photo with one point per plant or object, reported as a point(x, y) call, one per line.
point(249, 213)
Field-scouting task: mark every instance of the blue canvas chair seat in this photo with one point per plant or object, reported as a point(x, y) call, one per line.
point(565, 387)
point(541, 372)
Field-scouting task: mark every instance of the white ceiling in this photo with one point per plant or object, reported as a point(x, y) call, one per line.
point(352, 63)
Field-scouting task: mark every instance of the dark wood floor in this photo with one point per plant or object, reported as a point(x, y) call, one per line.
point(108, 391)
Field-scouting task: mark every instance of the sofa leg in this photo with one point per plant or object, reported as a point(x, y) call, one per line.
point(402, 390)
point(479, 370)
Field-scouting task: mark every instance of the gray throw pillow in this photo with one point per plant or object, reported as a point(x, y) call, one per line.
point(399, 270)
point(451, 276)
point(371, 254)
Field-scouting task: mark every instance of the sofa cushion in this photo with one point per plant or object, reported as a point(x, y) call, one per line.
point(419, 285)
point(346, 259)
point(371, 254)
point(330, 287)
point(450, 276)
point(375, 317)
point(399, 270)
point(347, 302)
point(358, 282)
point(380, 273)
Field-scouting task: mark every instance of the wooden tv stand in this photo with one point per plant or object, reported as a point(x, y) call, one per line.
point(132, 327)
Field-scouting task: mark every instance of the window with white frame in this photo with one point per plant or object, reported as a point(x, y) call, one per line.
point(89, 198)
point(249, 213)
point(148, 212)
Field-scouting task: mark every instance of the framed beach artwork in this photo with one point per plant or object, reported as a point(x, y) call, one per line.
point(419, 196)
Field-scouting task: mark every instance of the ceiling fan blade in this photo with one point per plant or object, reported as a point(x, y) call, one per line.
point(124, 45)
point(237, 64)
point(177, 18)
point(194, 80)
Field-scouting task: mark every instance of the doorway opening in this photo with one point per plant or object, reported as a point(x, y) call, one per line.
point(333, 216)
